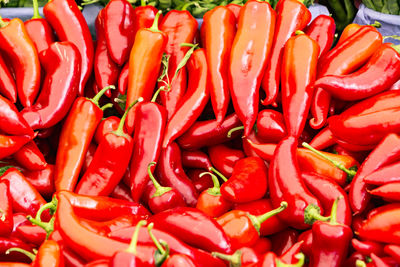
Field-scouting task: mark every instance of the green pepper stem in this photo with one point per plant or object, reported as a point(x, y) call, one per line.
point(120, 129)
point(97, 97)
point(158, 245)
point(334, 211)
point(376, 24)
point(234, 259)
point(2, 23)
point(29, 254)
point(162, 88)
point(215, 190)
point(229, 135)
point(185, 6)
point(300, 263)
point(160, 190)
point(360, 263)
point(185, 59)
point(298, 32)
point(154, 27)
point(312, 213)
point(334, 162)
point(220, 175)
point(133, 244)
point(258, 220)
point(106, 106)
point(36, 14)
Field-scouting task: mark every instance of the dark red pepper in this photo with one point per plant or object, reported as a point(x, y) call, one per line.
point(322, 30)
point(270, 126)
point(196, 159)
point(11, 121)
point(107, 125)
point(283, 241)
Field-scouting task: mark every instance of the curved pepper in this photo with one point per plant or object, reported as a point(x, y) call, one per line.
point(11, 121)
point(384, 175)
point(224, 158)
point(7, 84)
point(380, 72)
point(343, 59)
point(322, 30)
point(61, 63)
point(180, 27)
point(30, 157)
point(389, 191)
point(219, 29)
point(292, 15)
point(299, 67)
point(107, 125)
point(15, 42)
point(76, 135)
point(285, 184)
point(270, 126)
point(249, 57)
point(194, 100)
point(69, 24)
point(196, 159)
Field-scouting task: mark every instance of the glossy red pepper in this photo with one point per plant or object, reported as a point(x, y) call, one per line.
point(249, 181)
point(219, 29)
point(69, 24)
point(306, 238)
point(49, 254)
point(211, 201)
point(343, 59)
point(121, 191)
point(109, 163)
point(107, 125)
point(224, 158)
point(285, 184)
point(351, 29)
point(384, 175)
point(179, 260)
point(76, 135)
point(393, 250)
point(30, 157)
point(299, 67)
point(389, 191)
point(39, 30)
point(123, 79)
point(367, 247)
point(322, 30)
point(194, 100)
point(15, 42)
point(70, 257)
point(327, 191)
point(7, 84)
point(207, 133)
point(330, 241)
point(249, 57)
point(161, 197)
point(201, 183)
point(150, 121)
point(7, 243)
point(270, 126)
point(241, 257)
point(106, 71)
point(323, 139)
point(259, 207)
point(196, 159)
point(6, 210)
point(25, 198)
point(180, 27)
point(11, 120)
point(170, 173)
point(119, 17)
point(291, 16)
point(180, 223)
point(61, 62)
point(386, 152)
point(242, 228)
point(380, 72)
point(283, 241)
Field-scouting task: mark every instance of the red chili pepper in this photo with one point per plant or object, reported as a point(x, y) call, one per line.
point(150, 121)
point(367, 247)
point(200, 183)
point(7, 84)
point(106, 71)
point(107, 125)
point(359, 156)
point(249, 181)
point(98, 263)
point(249, 56)
point(181, 221)
point(6, 211)
point(285, 184)
point(180, 27)
point(15, 42)
point(219, 29)
point(25, 198)
point(386, 152)
point(170, 173)
point(322, 30)
point(69, 24)
point(263, 245)
point(123, 79)
point(7, 243)
point(70, 257)
point(61, 62)
point(176, 246)
point(144, 18)
point(11, 120)
point(327, 191)
point(211, 202)
point(119, 34)
point(283, 241)
point(343, 59)
point(76, 135)
point(143, 73)
point(291, 16)
point(101, 208)
point(389, 191)
point(270, 126)
point(179, 260)
point(270, 259)
point(323, 139)
point(258, 207)
point(306, 238)
point(393, 250)
point(299, 67)
point(351, 29)
point(30, 157)
point(384, 175)
point(242, 228)
point(39, 30)
point(88, 157)
point(263, 150)
point(194, 100)
point(242, 257)
point(31, 234)
point(162, 198)
point(224, 158)
point(235, 9)
point(121, 191)
point(109, 163)
point(378, 262)
point(207, 133)
point(377, 75)
point(196, 159)
point(49, 254)
point(330, 241)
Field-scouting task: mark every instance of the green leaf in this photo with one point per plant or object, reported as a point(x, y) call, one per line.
point(393, 7)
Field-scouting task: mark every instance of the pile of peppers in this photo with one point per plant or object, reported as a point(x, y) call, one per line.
point(254, 140)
